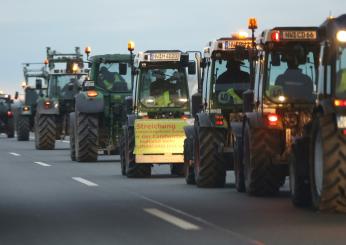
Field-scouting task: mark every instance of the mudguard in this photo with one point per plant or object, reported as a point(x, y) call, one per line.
point(43, 111)
point(203, 119)
point(86, 104)
point(256, 119)
point(190, 131)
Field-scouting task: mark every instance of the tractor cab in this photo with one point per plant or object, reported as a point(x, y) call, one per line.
point(161, 84)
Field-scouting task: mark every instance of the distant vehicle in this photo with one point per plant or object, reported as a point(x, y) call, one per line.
point(159, 109)
point(6, 115)
point(52, 111)
point(25, 117)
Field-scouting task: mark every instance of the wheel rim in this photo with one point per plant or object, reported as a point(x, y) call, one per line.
point(318, 164)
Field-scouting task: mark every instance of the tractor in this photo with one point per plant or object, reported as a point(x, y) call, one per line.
point(65, 75)
point(100, 108)
point(27, 110)
point(159, 109)
point(6, 115)
point(227, 72)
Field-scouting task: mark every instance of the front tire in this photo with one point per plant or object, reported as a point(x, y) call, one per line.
point(45, 132)
point(86, 140)
point(238, 165)
point(327, 166)
point(23, 128)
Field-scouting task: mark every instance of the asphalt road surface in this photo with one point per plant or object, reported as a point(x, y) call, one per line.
point(47, 199)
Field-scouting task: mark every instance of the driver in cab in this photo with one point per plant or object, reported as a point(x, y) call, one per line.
point(234, 74)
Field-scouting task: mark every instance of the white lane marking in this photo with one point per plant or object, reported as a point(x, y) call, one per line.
point(198, 219)
point(65, 141)
point(14, 154)
point(171, 219)
point(43, 164)
point(84, 181)
point(32, 138)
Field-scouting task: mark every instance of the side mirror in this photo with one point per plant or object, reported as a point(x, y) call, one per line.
point(38, 84)
point(122, 68)
point(275, 57)
point(16, 95)
point(184, 59)
point(192, 68)
point(248, 98)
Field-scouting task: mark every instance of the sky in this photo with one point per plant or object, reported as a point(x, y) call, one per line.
point(27, 27)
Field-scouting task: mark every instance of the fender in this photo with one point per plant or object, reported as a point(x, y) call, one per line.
point(203, 119)
point(44, 111)
point(190, 131)
point(87, 104)
point(326, 105)
point(255, 119)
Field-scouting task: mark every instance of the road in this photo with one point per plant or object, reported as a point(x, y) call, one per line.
point(47, 199)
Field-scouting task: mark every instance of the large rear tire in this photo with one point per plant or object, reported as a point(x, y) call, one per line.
point(10, 128)
point(72, 136)
point(45, 132)
point(23, 128)
point(209, 164)
point(134, 170)
point(299, 173)
point(262, 177)
point(86, 140)
point(327, 166)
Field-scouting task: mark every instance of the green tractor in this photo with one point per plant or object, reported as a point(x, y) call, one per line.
point(100, 108)
point(26, 112)
point(279, 110)
point(323, 149)
point(6, 115)
point(160, 108)
point(227, 72)
point(65, 76)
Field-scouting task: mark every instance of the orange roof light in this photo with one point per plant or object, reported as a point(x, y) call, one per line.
point(92, 93)
point(131, 46)
point(46, 62)
point(252, 23)
point(87, 50)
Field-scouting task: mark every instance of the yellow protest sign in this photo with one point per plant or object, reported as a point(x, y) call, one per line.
point(159, 136)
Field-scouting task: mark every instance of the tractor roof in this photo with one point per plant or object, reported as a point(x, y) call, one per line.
point(110, 58)
point(331, 26)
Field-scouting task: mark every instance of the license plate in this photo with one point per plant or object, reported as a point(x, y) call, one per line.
point(299, 35)
point(165, 56)
point(341, 121)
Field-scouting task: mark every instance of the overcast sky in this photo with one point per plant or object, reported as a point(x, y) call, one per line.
point(28, 26)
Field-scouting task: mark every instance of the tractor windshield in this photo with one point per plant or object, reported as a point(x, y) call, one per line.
point(110, 79)
point(65, 86)
point(341, 73)
point(229, 79)
point(163, 87)
point(290, 75)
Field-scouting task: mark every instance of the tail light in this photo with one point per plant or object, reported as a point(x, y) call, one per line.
point(219, 120)
point(47, 104)
point(9, 114)
point(184, 117)
point(339, 103)
point(275, 36)
point(273, 119)
point(344, 131)
point(92, 93)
